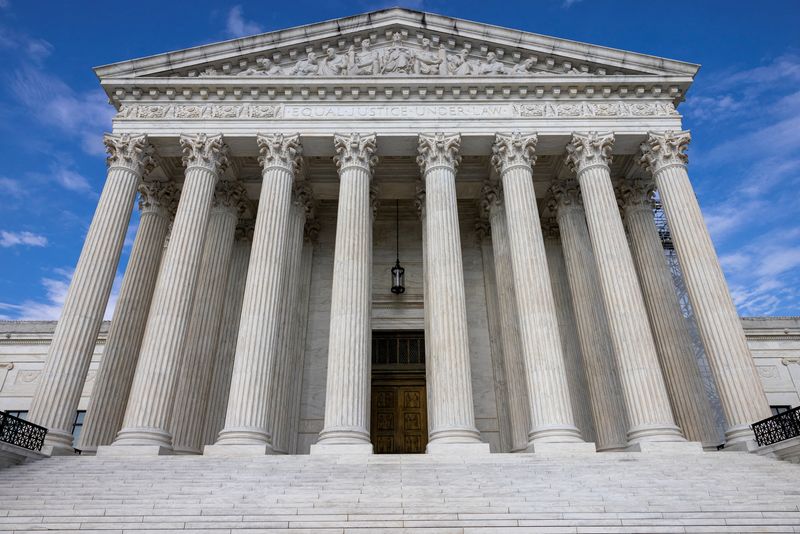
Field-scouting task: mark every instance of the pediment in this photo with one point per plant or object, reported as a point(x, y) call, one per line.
point(397, 43)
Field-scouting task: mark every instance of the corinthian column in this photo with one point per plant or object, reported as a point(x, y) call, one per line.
point(70, 353)
point(542, 354)
point(518, 407)
point(646, 397)
point(145, 428)
point(608, 408)
point(347, 390)
point(671, 333)
point(157, 202)
point(228, 332)
point(279, 410)
point(740, 390)
point(191, 398)
point(451, 412)
point(246, 425)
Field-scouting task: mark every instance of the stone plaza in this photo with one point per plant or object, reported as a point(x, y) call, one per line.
point(400, 233)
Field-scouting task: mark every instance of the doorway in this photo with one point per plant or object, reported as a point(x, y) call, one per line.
point(399, 410)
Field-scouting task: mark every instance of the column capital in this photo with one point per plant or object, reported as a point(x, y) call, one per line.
point(588, 150)
point(491, 197)
point(636, 194)
point(374, 201)
point(483, 229)
point(303, 197)
point(660, 151)
point(419, 198)
point(550, 228)
point(564, 195)
point(355, 150)
point(280, 151)
point(230, 195)
point(513, 150)
point(438, 150)
point(205, 151)
point(158, 197)
point(244, 229)
point(131, 152)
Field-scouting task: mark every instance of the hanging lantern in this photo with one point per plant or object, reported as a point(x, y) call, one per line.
point(398, 273)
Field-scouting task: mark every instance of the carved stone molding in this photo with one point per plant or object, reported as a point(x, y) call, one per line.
point(438, 150)
point(585, 151)
point(158, 196)
point(230, 195)
point(600, 109)
point(661, 151)
point(513, 150)
point(132, 152)
point(355, 150)
point(205, 151)
point(279, 150)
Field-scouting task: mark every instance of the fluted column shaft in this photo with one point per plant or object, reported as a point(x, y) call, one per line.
point(542, 353)
point(740, 390)
point(518, 407)
point(278, 411)
point(191, 398)
point(56, 398)
point(690, 402)
point(229, 330)
point(347, 393)
point(115, 375)
point(452, 410)
point(573, 356)
point(301, 316)
point(246, 421)
point(149, 412)
point(646, 397)
point(594, 337)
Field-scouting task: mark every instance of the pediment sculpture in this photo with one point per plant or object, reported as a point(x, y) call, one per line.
point(395, 59)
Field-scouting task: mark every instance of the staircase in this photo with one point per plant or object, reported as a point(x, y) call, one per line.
point(500, 493)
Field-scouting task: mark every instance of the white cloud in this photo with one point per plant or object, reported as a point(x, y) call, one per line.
point(11, 188)
point(71, 180)
point(237, 26)
point(13, 239)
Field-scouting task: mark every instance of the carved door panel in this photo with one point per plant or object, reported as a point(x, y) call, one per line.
point(399, 419)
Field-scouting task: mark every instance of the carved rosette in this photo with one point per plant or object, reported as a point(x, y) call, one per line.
point(564, 195)
point(244, 229)
point(660, 151)
point(438, 150)
point(230, 195)
point(205, 151)
point(158, 197)
point(280, 151)
point(636, 194)
point(355, 150)
point(593, 149)
point(491, 196)
point(513, 150)
point(131, 152)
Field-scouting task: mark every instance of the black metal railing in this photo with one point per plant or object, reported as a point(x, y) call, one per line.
point(777, 428)
point(21, 433)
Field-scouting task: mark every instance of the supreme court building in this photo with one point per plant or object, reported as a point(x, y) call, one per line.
point(398, 232)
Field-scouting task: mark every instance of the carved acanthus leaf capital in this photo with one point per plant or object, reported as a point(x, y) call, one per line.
point(303, 197)
point(132, 152)
point(636, 194)
point(374, 201)
point(589, 150)
point(158, 196)
point(483, 229)
point(205, 151)
point(438, 150)
point(355, 150)
point(564, 195)
point(491, 197)
point(244, 229)
point(550, 228)
point(660, 151)
point(513, 150)
point(311, 230)
point(230, 195)
point(419, 198)
point(279, 150)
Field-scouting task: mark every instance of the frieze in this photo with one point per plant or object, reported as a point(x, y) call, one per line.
point(395, 111)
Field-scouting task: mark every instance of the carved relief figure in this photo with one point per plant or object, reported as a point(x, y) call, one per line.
point(264, 67)
point(427, 60)
point(332, 65)
point(490, 66)
point(306, 66)
point(458, 64)
point(398, 58)
point(367, 61)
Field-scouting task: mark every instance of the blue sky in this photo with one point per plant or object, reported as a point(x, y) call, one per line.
point(743, 110)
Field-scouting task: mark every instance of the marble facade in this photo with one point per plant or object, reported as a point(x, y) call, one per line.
point(514, 159)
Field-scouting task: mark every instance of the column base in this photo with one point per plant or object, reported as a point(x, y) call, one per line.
point(666, 447)
point(738, 434)
point(555, 434)
point(457, 449)
point(550, 448)
point(127, 451)
point(232, 450)
point(58, 443)
point(655, 433)
point(323, 448)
